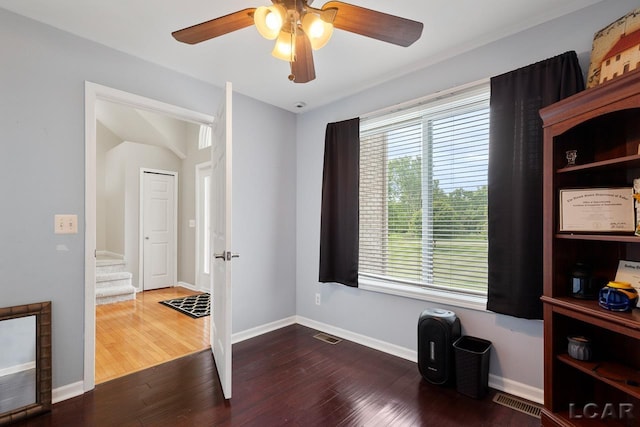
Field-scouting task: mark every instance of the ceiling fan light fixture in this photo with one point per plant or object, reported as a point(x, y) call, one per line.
point(299, 29)
point(317, 29)
point(269, 20)
point(285, 47)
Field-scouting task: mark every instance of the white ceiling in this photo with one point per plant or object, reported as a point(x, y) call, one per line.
point(145, 127)
point(348, 64)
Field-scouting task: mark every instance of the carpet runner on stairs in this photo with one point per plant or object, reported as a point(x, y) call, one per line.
point(113, 284)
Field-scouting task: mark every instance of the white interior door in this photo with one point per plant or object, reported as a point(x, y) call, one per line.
point(221, 242)
point(158, 230)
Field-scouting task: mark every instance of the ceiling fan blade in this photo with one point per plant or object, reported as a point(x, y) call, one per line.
point(216, 27)
point(302, 69)
point(374, 24)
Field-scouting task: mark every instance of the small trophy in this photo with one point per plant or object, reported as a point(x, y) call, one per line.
point(571, 157)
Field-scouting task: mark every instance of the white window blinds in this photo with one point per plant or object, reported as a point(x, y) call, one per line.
point(423, 193)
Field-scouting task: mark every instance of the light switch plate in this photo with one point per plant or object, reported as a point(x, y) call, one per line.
point(66, 224)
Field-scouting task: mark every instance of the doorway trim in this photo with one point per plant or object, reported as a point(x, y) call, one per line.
point(93, 93)
point(174, 258)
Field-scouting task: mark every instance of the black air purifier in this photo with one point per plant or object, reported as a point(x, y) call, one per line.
point(437, 330)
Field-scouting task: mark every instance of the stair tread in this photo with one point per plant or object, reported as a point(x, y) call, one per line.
point(115, 275)
point(108, 262)
point(109, 299)
point(115, 290)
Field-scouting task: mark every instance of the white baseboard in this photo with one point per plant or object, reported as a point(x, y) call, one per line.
point(192, 287)
point(67, 391)
point(506, 385)
point(516, 388)
point(262, 329)
point(17, 368)
point(188, 286)
point(383, 346)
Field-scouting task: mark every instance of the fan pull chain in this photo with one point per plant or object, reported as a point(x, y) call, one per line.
point(292, 58)
point(294, 25)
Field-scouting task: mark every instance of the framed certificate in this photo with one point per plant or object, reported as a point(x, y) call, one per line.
point(597, 210)
point(629, 271)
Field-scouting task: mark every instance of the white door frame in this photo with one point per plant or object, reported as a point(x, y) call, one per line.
point(200, 236)
point(174, 260)
point(92, 93)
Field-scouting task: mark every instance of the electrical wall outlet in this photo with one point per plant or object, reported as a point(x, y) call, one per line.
point(66, 224)
point(317, 299)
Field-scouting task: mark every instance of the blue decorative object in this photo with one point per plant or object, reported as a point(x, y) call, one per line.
point(618, 296)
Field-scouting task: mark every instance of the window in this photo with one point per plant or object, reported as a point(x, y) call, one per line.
point(423, 195)
point(204, 139)
point(206, 222)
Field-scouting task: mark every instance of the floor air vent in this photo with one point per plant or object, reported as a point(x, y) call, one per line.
point(327, 338)
point(517, 404)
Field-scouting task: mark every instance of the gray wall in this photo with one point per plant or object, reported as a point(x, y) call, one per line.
point(187, 195)
point(123, 164)
point(42, 159)
point(105, 140)
point(113, 239)
point(264, 217)
point(113, 201)
point(517, 352)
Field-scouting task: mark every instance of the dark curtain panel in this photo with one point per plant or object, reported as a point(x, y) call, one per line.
point(339, 243)
point(515, 180)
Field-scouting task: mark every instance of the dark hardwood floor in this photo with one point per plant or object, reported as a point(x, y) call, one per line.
point(285, 377)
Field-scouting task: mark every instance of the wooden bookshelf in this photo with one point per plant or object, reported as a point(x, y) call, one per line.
point(603, 125)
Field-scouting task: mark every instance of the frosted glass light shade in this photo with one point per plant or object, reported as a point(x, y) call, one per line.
point(268, 20)
point(285, 47)
point(317, 30)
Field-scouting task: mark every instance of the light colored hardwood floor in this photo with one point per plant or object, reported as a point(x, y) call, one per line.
point(138, 334)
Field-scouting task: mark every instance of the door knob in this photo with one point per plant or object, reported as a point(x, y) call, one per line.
point(226, 255)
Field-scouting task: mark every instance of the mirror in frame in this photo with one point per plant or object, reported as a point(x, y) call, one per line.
point(25, 363)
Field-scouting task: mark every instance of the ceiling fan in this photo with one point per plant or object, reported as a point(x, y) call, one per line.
point(300, 28)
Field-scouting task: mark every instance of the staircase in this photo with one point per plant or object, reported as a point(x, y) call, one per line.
point(113, 284)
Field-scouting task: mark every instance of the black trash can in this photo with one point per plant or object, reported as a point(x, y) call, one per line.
point(472, 366)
